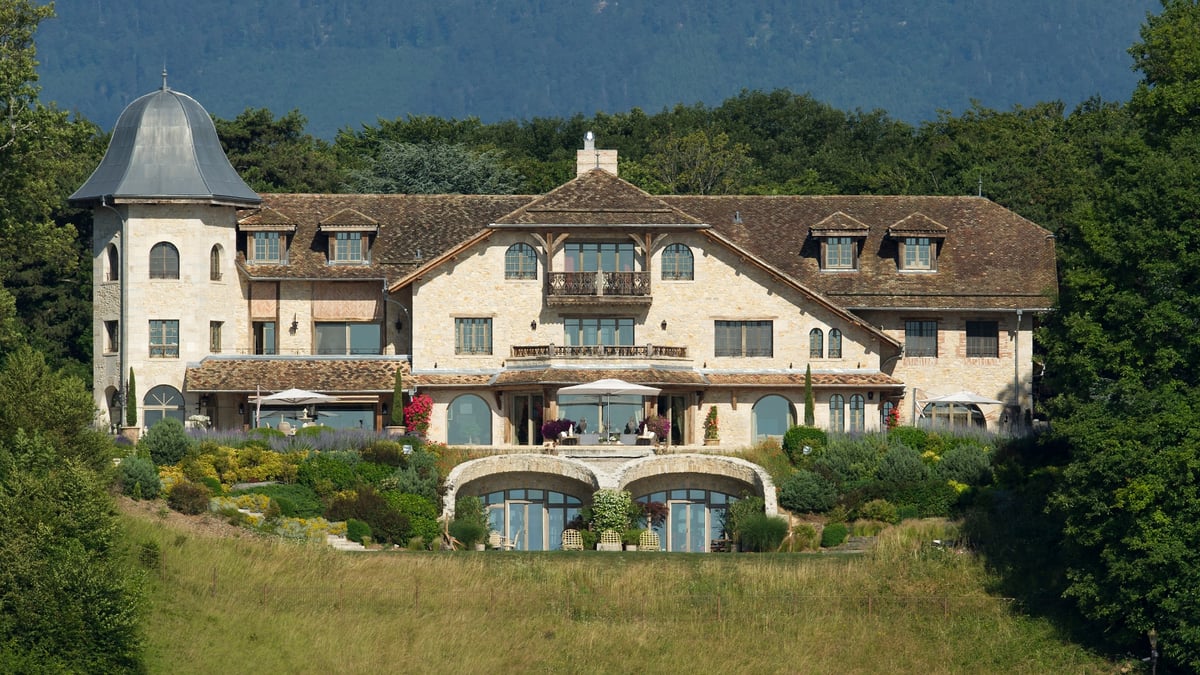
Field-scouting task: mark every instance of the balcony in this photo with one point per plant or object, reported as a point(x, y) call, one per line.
point(598, 288)
point(598, 351)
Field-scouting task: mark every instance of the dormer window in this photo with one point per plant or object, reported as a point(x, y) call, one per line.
point(840, 236)
point(917, 237)
point(349, 235)
point(917, 253)
point(348, 247)
point(266, 247)
point(267, 234)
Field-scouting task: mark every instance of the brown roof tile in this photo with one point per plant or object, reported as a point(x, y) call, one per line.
point(321, 374)
point(648, 376)
point(917, 223)
point(597, 198)
point(266, 219)
point(821, 380)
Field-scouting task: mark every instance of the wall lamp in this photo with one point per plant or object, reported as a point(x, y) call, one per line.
point(663, 324)
point(241, 409)
point(533, 325)
point(295, 324)
point(384, 410)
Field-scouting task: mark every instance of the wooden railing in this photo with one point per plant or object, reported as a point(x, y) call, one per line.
point(582, 351)
point(599, 283)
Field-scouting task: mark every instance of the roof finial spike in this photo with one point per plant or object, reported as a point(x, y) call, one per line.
point(164, 74)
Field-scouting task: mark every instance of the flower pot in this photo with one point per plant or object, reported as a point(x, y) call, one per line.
point(631, 547)
point(131, 433)
point(393, 430)
point(480, 546)
point(712, 441)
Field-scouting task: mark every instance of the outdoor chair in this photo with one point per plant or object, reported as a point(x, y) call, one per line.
point(496, 540)
point(610, 540)
point(572, 540)
point(649, 541)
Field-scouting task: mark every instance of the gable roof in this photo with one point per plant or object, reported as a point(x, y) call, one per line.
point(598, 198)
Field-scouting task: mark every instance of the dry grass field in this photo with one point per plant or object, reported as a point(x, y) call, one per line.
point(222, 603)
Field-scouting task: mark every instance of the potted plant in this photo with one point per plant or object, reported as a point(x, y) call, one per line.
point(610, 512)
point(396, 427)
point(417, 414)
point(711, 429)
point(131, 430)
point(631, 537)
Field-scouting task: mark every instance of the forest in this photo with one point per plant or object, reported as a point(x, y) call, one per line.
point(1105, 506)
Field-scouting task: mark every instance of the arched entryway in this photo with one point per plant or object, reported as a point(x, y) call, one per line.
point(773, 415)
point(469, 421)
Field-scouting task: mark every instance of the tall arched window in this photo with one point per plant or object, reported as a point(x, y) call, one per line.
point(835, 343)
point(677, 263)
point(816, 343)
point(837, 413)
point(469, 421)
point(164, 261)
point(112, 271)
point(161, 402)
point(773, 415)
point(857, 413)
point(520, 262)
point(214, 263)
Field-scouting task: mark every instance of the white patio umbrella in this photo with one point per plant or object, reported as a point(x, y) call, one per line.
point(606, 388)
point(964, 397)
point(291, 397)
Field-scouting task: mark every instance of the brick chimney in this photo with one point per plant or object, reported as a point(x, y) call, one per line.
point(590, 158)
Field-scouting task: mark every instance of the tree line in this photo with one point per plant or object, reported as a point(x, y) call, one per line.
point(1097, 521)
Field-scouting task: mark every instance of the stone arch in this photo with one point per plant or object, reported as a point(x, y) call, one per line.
point(565, 473)
point(719, 468)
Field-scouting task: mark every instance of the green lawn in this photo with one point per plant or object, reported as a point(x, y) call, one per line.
point(226, 605)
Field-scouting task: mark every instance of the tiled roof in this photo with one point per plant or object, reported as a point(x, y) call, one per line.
point(349, 219)
point(597, 198)
point(991, 258)
point(321, 374)
point(648, 376)
point(821, 380)
point(451, 379)
point(412, 229)
point(917, 223)
point(267, 219)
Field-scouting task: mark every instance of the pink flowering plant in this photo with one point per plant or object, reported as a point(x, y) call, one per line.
point(417, 414)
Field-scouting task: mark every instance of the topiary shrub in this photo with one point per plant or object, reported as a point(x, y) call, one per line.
point(797, 437)
point(166, 442)
point(760, 532)
point(611, 510)
point(879, 509)
point(902, 464)
point(807, 492)
point(138, 478)
point(189, 498)
point(967, 463)
point(357, 530)
point(833, 535)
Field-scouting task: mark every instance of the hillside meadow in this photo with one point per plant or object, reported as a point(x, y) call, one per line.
point(220, 603)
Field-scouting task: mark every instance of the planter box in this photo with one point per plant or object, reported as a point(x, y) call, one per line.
point(396, 430)
point(608, 547)
point(712, 441)
point(131, 433)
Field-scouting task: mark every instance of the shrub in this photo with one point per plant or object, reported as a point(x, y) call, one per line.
point(739, 511)
point(166, 442)
point(138, 478)
point(295, 501)
point(804, 538)
point(357, 530)
point(879, 509)
point(384, 451)
point(551, 429)
point(418, 474)
point(932, 498)
point(902, 464)
point(470, 508)
point(632, 536)
point(387, 524)
point(907, 512)
point(797, 437)
point(807, 492)
point(213, 485)
point(189, 498)
point(327, 472)
point(468, 531)
point(851, 459)
point(610, 510)
point(833, 535)
point(760, 532)
point(421, 514)
point(967, 463)
point(917, 439)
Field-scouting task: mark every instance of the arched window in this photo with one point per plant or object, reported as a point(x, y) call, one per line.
point(677, 263)
point(112, 270)
point(164, 261)
point(964, 415)
point(857, 413)
point(161, 402)
point(469, 421)
point(520, 262)
point(773, 415)
point(816, 343)
point(835, 343)
point(837, 413)
point(214, 263)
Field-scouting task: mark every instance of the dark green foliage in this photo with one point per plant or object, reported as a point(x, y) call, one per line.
point(932, 498)
point(213, 485)
point(384, 451)
point(275, 155)
point(421, 514)
point(138, 478)
point(966, 463)
point(327, 472)
point(879, 509)
point(851, 459)
point(372, 473)
point(913, 437)
point(149, 555)
point(295, 501)
point(902, 464)
point(468, 532)
point(397, 416)
point(740, 511)
point(418, 474)
point(907, 512)
point(166, 442)
point(387, 524)
point(807, 492)
point(760, 532)
point(795, 438)
point(188, 498)
point(810, 416)
point(833, 535)
point(470, 508)
point(131, 393)
point(432, 168)
point(357, 530)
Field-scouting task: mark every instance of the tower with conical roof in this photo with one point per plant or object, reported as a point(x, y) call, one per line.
point(164, 201)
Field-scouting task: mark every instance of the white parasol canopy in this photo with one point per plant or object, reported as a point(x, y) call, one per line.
point(606, 388)
point(296, 397)
point(964, 397)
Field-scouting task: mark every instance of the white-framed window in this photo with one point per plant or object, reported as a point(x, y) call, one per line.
point(164, 338)
point(348, 247)
point(520, 262)
point(839, 253)
point(918, 253)
point(473, 336)
point(678, 263)
point(921, 338)
point(983, 339)
point(345, 337)
point(266, 247)
point(744, 338)
point(164, 261)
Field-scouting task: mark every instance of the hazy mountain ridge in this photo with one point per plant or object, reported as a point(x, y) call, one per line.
point(349, 62)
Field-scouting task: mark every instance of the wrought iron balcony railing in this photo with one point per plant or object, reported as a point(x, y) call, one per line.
point(611, 351)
